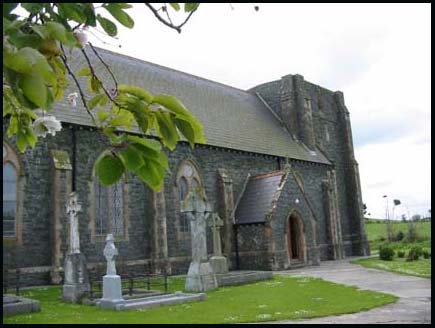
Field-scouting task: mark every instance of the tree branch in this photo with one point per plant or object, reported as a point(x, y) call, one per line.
point(65, 62)
point(107, 66)
point(95, 75)
point(165, 22)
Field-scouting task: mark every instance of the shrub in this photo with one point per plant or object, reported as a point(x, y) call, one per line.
point(401, 254)
point(426, 254)
point(400, 235)
point(386, 253)
point(414, 253)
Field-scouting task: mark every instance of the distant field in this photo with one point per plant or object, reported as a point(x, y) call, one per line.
point(377, 230)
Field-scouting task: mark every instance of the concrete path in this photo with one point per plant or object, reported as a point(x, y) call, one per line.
point(414, 305)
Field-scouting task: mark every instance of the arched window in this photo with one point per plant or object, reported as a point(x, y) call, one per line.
point(11, 169)
point(187, 180)
point(109, 213)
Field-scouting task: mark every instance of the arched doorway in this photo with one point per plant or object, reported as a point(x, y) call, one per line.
point(295, 239)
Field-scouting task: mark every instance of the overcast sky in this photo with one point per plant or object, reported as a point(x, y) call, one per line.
point(377, 54)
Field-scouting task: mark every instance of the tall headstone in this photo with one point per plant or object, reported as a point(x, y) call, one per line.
point(76, 281)
point(217, 261)
point(200, 276)
point(112, 292)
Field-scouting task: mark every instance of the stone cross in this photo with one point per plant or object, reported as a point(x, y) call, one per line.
point(110, 252)
point(197, 210)
point(72, 209)
point(216, 223)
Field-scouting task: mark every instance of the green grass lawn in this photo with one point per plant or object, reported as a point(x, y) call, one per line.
point(419, 268)
point(376, 234)
point(283, 297)
point(377, 230)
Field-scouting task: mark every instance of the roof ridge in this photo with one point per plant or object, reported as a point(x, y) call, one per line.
point(174, 70)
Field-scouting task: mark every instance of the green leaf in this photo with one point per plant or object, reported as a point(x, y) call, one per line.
point(9, 25)
point(57, 31)
point(20, 40)
point(32, 7)
point(124, 5)
point(95, 101)
point(108, 26)
point(23, 60)
point(188, 7)
point(132, 159)
point(103, 115)
point(120, 15)
point(31, 138)
point(124, 118)
point(8, 7)
point(21, 141)
point(163, 160)
point(13, 126)
point(166, 129)
point(34, 89)
point(136, 91)
point(152, 144)
point(89, 12)
point(72, 11)
point(109, 169)
point(152, 174)
point(41, 30)
point(176, 6)
point(94, 84)
point(173, 104)
point(50, 99)
point(104, 100)
point(84, 71)
point(187, 130)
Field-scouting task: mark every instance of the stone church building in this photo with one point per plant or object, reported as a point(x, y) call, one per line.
point(278, 167)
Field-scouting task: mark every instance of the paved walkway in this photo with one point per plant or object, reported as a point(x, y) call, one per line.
point(414, 305)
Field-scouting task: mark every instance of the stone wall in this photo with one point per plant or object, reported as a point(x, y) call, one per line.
point(332, 134)
point(260, 246)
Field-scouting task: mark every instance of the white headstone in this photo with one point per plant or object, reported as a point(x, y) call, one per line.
point(110, 252)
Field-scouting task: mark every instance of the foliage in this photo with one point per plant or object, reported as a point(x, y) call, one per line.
point(283, 297)
point(386, 253)
point(400, 235)
point(401, 254)
point(426, 254)
point(421, 268)
point(35, 69)
point(414, 253)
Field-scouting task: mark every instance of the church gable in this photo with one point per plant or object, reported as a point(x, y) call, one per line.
point(259, 197)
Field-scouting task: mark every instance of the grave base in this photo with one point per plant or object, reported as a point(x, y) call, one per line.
point(200, 277)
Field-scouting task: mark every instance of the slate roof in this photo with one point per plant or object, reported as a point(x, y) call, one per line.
point(232, 118)
point(258, 199)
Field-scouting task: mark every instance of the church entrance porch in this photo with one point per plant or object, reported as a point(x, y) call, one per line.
point(295, 238)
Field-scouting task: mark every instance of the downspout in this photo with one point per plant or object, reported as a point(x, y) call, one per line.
point(74, 157)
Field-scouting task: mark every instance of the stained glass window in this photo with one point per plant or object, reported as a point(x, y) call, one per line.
point(109, 208)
